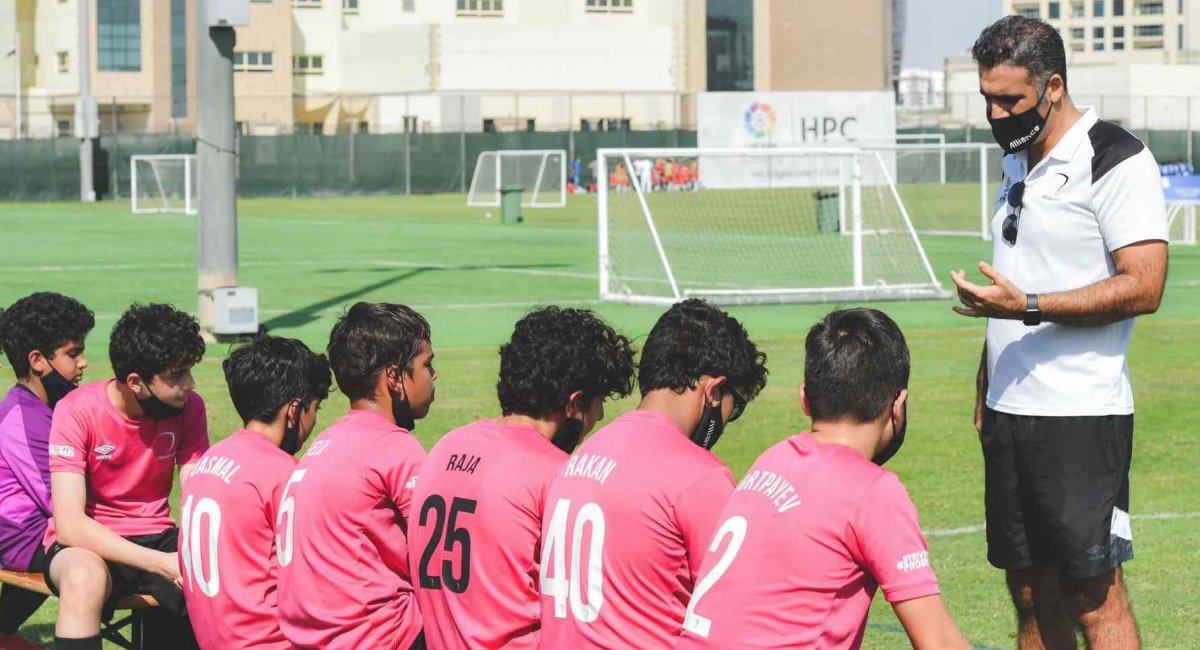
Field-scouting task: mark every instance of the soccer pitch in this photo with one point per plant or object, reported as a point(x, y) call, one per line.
point(472, 277)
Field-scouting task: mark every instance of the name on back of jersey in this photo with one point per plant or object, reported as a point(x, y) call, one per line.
point(462, 463)
point(593, 466)
point(218, 466)
point(772, 486)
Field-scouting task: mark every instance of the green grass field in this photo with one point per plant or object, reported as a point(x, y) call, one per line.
point(473, 277)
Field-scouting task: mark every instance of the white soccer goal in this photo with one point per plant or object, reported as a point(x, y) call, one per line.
point(164, 183)
point(758, 226)
point(1181, 222)
point(541, 176)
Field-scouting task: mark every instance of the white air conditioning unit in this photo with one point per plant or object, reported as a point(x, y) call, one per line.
point(236, 310)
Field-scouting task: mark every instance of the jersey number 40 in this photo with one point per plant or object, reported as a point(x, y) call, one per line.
point(567, 589)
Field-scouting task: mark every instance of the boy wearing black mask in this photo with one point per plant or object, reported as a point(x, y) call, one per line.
point(43, 335)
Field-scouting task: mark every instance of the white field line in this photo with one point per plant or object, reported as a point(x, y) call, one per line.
point(970, 530)
point(428, 307)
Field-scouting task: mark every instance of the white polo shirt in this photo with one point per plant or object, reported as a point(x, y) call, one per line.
point(1098, 190)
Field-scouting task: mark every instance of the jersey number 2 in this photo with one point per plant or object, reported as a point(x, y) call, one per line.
point(436, 506)
point(735, 529)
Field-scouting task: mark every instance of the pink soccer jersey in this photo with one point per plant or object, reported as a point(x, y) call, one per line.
point(473, 537)
point(227, 543)
point(341, 538)
point(129, 464)
point(804, 541)
point(627, 521)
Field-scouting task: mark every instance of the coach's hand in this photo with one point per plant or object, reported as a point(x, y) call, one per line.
point(1001, 299)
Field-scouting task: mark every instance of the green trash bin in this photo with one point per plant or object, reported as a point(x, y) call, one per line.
point(510, 205)
point(828, 212)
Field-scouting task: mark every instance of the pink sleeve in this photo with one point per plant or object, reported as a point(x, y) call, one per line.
point(396, 475)
point(69, 437)
point(885, 538)
point(195, 432)
point(697, 509)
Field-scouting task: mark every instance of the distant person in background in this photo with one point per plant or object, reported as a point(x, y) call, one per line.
point(645, 177)
point(1079, 249)
point(575, 169)
point(43, 335)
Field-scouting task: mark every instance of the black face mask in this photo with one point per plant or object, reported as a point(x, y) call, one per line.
point(711, 426)
point(291, 433)
point(402, 414)
point(1018, 132)
point(897, 440)
point(156, 409)
point(56, 387)
point(567, 436)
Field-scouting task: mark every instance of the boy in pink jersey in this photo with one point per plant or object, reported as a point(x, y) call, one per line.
point(628, 517)
point(477, 519)
point(114, 446)
point(342, 526)
point(227, 551)
point(43, 335)
point(817, 524)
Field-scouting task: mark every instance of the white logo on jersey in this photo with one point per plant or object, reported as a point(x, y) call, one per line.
point(65, 451)
point(913, 562)
point(412, 483)
point(167, 451)
point(317, 447)
point(105, 451)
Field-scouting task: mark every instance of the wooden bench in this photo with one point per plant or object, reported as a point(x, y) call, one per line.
point(110, 630)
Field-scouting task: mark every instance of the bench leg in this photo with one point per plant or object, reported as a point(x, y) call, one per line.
point(111, 631)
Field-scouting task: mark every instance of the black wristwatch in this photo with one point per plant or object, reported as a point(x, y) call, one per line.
point(1033, 315)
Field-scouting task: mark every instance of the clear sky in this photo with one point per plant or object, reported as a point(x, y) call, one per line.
point(940, 28)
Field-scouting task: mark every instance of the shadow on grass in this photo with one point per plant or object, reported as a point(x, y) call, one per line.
point(309, 313)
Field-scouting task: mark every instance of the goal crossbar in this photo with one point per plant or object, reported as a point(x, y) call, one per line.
point(510, 168)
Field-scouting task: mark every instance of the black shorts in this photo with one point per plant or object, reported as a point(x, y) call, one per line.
point(1057, 491)
point(129, 581)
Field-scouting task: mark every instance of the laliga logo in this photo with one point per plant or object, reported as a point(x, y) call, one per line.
point(760, 120)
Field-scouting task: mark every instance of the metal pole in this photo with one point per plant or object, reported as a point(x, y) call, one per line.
point(407, 150)
point(17, 56)
point(462, 144)
point(856, 215)
point(84, 121)
point(217, 249)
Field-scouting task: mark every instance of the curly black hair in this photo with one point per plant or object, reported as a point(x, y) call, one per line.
point(856, 363)
point(1023, 43)
point(693, 339)
point(270, 371)
point(555, 352)
point(151, 339)
point(42, 321)
point(370, 337)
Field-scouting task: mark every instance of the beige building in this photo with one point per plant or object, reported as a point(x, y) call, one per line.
point(1120, 31)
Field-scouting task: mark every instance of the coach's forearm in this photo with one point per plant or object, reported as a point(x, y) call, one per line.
point(82, 531)
point(1111, 300)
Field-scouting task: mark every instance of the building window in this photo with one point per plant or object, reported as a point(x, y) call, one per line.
point(308, 64)
point(1118, 45)
point(311, 128)
point(1077, 33)
point(1180, 38)
point(1098, 33)
point(306, 3)
point(1118, 7)
point(730, 40)
point(253, 61)
point(1098, 8)
point(480, 7)
point(63, 63)
point(119, 35)
point(64, 129)
point(1077, 10)
point(1029, 12)
point(408, 6)
point(1054, 12)
point(1148, 31)
point(1118, 31)
point(179, 40)
point(350, 6)
point(1150, 9)
point(609, 6)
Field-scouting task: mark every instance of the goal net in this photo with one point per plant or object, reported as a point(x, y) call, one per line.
point(540, 175)
point(1181, 222)
point(744, 226)
point(163, 183)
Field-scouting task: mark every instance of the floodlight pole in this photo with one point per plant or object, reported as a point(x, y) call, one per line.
point(217, 246)
point(85, 115)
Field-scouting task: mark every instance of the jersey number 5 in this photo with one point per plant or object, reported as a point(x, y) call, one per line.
point(436, 506)
point(569, 588)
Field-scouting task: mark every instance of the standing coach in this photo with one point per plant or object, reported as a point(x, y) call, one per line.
point(1079, 250)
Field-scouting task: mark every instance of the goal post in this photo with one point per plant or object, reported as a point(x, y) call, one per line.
point(1181, 222)
point(541, 175)
point(163, 183)
point(749, 226)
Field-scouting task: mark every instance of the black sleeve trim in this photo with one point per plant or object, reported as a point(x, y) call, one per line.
point(1111, 146)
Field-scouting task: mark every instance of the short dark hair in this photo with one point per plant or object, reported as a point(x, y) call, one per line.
point(270, 371)
point(694, 338)
point(555, 352)
point(151, 339)
point(1023, 43)
point(43, 321)
point(856, 364)
point(370, 337)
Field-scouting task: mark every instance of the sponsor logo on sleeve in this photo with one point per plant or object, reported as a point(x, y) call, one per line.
point(64, 451)
point(105, 451)
point(913, 562)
